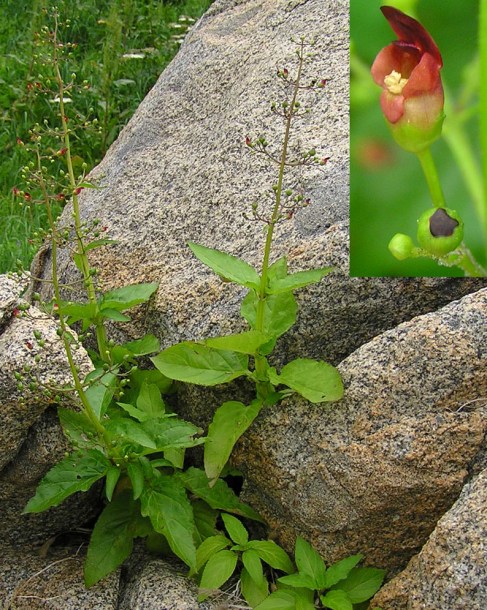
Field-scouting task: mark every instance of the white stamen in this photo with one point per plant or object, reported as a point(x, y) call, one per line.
point(395, 83)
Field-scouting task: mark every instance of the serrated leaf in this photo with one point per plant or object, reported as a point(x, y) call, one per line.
point(135, 473)
point(195, 363)
point(315, 380)
point(100, 392)
point(309, 562)
point(279, 600)
point(227, 266)
point(127, 296)
point(362, 583)
point(97, 243)
point(341, 569)
point(272, 554)
point(217, 571)
point(220, 496)
point(235, 529)
point(230, 421)
point(280, 312)
point(210, 547)
point(112, 477)
point(299, 580)
point(78, 472)
point(172, 433)
point(134, 412)
point(150, 401)
point(297, 280)
point(245, 343)
point(336, 600)
point(112, 538)
point(79, 311)
point(77, 426)
point(166, 504)
point(253, 565)
point(204, 520)
point(113, 314)
point(143, 346)
point(254, 591)
point(131, 431)
point(277, 270)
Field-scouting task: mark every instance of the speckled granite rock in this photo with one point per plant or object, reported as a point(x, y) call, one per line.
point(450, 572)
point(29, 581)
point(374, 472)
point(180, 171)
point(31, 440)
point(157, 584)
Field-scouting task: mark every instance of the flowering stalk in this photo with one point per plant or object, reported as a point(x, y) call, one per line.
point(483, 105)
point(264, 387)
point(75, 189)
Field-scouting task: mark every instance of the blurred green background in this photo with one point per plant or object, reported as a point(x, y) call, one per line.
point(388, 188)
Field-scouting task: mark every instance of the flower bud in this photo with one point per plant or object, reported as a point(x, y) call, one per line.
point(401, 246)
point(440, 230)
point(408, 70)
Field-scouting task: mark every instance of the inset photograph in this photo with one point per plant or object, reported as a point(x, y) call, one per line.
point(418, 139)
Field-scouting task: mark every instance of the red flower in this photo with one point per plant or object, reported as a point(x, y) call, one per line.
point(408, 70)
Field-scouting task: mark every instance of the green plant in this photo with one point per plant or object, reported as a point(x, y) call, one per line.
point(121, 428)
point(341, 586)
point(269, 307)
point(123, 433)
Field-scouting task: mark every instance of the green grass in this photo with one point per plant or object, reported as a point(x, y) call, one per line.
point(104, 31)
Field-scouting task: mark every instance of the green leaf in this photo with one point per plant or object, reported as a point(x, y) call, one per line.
point(253, 565)
point(246, 343)
point(235, 529)
point(141, 347)
point(127, 296)
point(217, 571)
point(195, 363)
point(113, 314)
point(279, 600)
point(172, 433)
point(100, 392)
point(299, 580)
point(230, 421)
point(341, 569)
point(111, 481)
point(362, 583)
point(126, 429)
point(97, 243)
point(309, 562)
point(272, 554)
point(254, 591)
point(277, 270)
point(210, 547)
point(75, 473)
point(297, 280)
point(78, 427)
point(80, 311)
point(112, 538)
point(316, 380)
point(150, 401)
point(134, 412)
point(165, 502)
point(280, 312)
point(227, 266)
point(204, 520)
point(138, 377)
point(336, 600)
point(220, 496)
point(136, 476)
